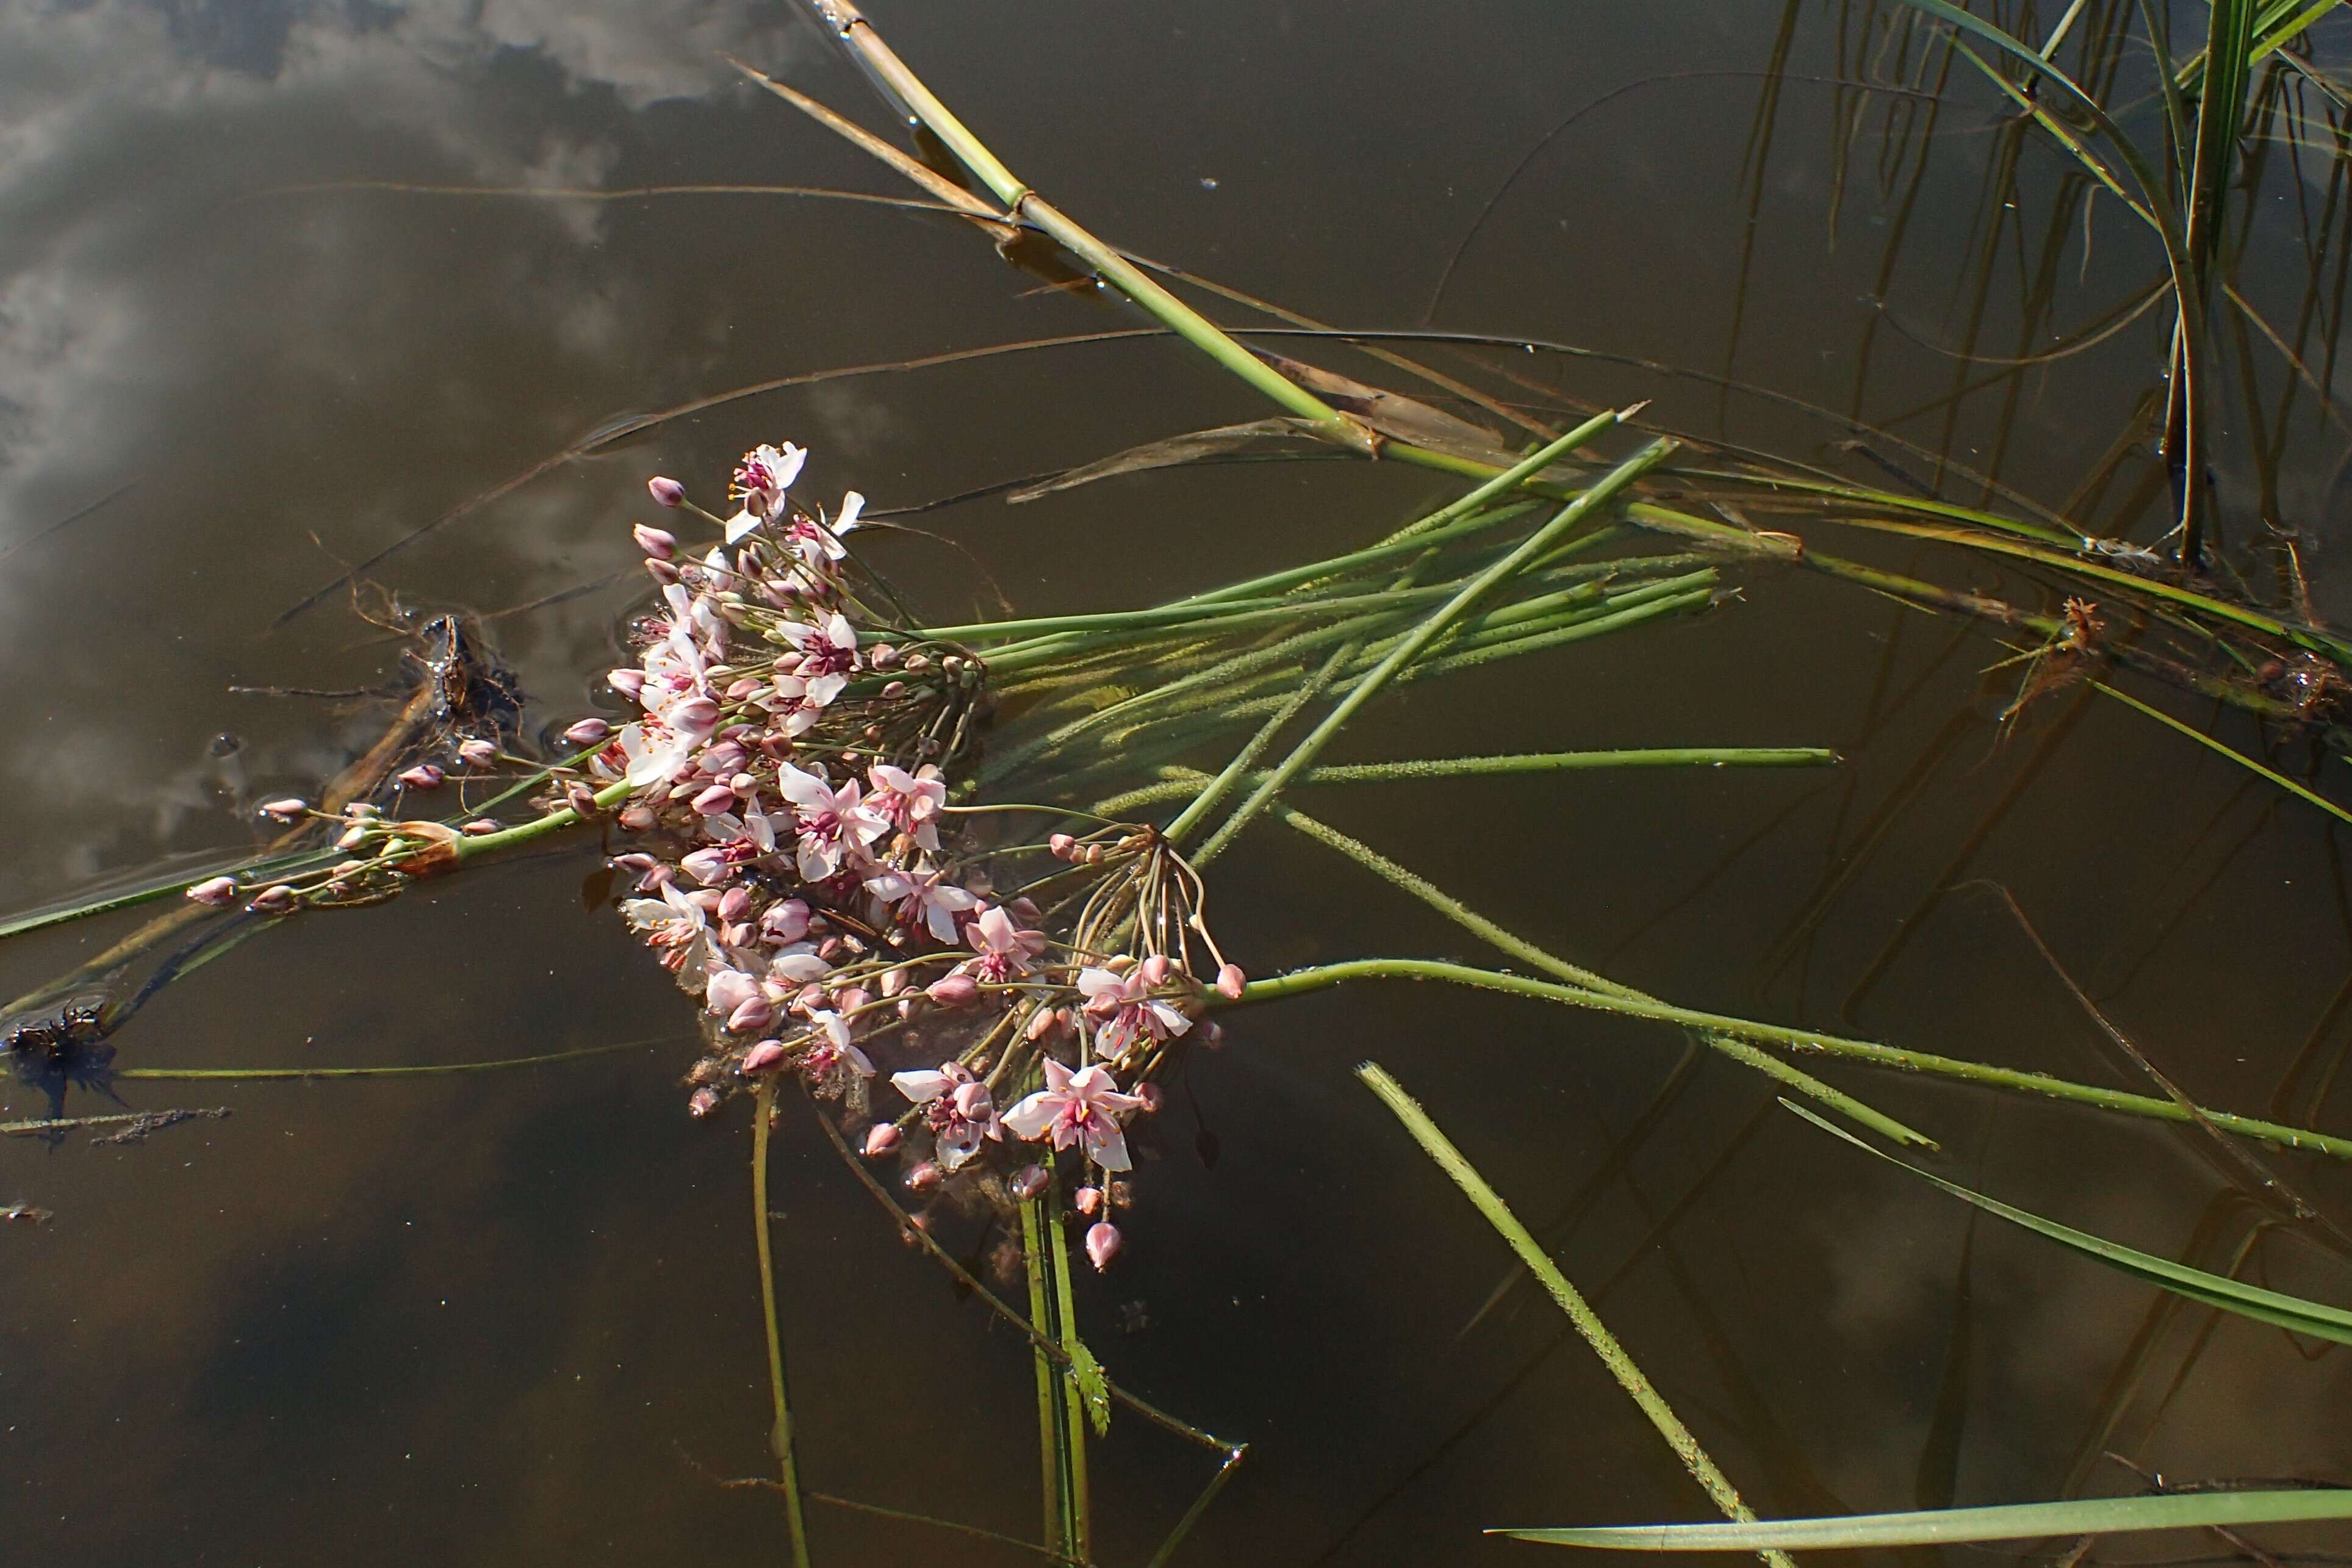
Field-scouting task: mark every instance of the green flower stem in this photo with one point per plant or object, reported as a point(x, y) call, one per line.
point(610, 795)
point(1325, 976)
point(1587, 1322)
point(780, 1436)
point(1411, 648)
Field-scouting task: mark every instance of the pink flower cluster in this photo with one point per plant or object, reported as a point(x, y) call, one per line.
point(789, 771)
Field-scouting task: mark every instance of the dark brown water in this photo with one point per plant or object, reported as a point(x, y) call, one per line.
point(514, 1318)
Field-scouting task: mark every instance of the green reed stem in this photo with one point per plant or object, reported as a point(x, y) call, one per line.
point(1523, 762)
point(779, 1436)
point(1588, 1324)
point(1325, 976)
point(1603, 490)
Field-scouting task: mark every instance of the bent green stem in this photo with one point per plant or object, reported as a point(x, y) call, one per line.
point(1323, 977)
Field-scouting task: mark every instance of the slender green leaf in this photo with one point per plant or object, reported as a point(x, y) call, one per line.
point(2013, 1521)
point(2274, 1307)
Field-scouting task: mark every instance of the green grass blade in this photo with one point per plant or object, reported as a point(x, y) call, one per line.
point(2243, 760)
point(2012, 1522)
point(1587, 1322)
point(2274, 1307)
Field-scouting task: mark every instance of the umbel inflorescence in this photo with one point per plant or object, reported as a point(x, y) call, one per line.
point(804, 875)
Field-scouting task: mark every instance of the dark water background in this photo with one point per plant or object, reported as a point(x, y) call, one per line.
point(505, 1318)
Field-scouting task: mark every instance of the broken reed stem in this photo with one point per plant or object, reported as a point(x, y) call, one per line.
point(780, 1436)
point(1417, 641)
point(1325, 976)
point(1588, 1323)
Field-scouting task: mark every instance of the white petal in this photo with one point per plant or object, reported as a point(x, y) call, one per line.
point(851, 505)
point(742, 524)
point(921, 1086)
point(1034, 1115)
point(1109, 1151)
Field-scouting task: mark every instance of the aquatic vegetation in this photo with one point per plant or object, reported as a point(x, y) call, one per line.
point(952, 882)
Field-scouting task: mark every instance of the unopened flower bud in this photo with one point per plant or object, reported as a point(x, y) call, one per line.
point(693, 715)
point(882, 656)
point(1030, 1182)
point(1229, 981)
point(763, 1056)
point(480, 827)
point(1061, 844)
point(851, 999)
point(953, 991)
point(1041, 1023)
point(656, 544)
point(1156, 969)
point(734, 904)
point(354, 836)
point(629, 683)
point(1103, 1242)
point(286, 810)
point(637, 818)
point(217, 891)
point(660, 571)
point(581, 799)
point(589, 732)
point(753, 1018)
point(893, 690)
point(972, 1101)
point(702, 1102)
point(664, 491)
point(477, 753)
point(274, 899)
point(925, 1176)
point(1211, 1034)
point(424, 776)
point(714, 800)
point(787, 920)
point(880, 1139)
point(1088, 1199)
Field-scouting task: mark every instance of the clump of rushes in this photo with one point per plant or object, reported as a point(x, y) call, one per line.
point(802, 874)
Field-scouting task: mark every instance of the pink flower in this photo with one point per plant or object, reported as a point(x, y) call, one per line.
point(760, 481)
point(831, 1046)
point(957, 1106)
point(666, 492)
point(1123, 1009)
point(828, 656)
point(652, 755)
point(831, 824)
point(678, 932)
point(586, 732)
point(658, 544)
point(762, 1058)
point(922, 898)
point(1078, 1107)
point(910, 803)
point(1004, 949)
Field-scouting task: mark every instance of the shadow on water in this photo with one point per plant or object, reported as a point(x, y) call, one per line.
point(258, 318)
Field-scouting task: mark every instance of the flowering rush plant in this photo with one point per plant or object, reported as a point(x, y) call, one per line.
point(804, 868)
